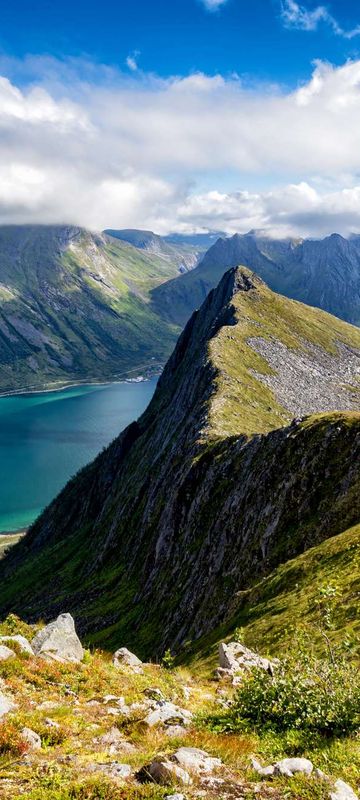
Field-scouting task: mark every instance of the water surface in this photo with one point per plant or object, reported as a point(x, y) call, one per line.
point(45, 438)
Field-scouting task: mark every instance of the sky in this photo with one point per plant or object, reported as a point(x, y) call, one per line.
point(187, 116)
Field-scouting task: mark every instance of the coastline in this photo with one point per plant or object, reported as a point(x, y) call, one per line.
point(143, 373)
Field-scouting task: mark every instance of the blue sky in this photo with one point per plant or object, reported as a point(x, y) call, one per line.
point(186, 115)
point(179, 36)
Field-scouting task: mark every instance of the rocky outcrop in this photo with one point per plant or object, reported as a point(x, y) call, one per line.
point(235, 658)
point(58, 641)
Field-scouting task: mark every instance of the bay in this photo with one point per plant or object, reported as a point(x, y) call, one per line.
point(45, 438)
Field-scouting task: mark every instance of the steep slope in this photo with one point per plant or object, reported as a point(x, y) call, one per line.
point(179, 251)
point(323, 273)
point(290, 599)
point(213, 487)
point(74, 306)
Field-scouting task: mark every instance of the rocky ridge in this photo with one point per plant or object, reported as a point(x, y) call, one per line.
point(195, 500)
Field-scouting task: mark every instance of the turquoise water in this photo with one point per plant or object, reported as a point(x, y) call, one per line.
point(45, 438)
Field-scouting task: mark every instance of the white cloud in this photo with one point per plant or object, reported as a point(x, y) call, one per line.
point(297, 16)
point(213, 5)
point(133, 150)
point(132, 61)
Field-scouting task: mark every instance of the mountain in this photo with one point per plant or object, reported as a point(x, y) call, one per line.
point(183, 251)
point(214, 486)
point(323, 273)
point(75, 306)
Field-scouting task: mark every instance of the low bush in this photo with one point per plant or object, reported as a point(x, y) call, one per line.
point(305, 693)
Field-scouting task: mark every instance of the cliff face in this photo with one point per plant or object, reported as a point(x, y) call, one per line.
point(213, 486)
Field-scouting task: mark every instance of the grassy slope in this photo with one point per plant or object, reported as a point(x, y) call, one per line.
point(271, 610)
point(86, 300)
point(242, 404)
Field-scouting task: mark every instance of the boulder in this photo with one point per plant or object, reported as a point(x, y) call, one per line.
point(290, 766)
point(58, 641)
point(6, 705)
point(168, 714)
point(235, 657)
point(343, 792)
point(124, 658)
point(194, 760)
point(286, 767)
point(165, 772)
point(24, 645)
point(31, 738)
point(5, 653)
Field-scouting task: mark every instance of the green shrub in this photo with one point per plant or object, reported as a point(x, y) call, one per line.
point(305, 693)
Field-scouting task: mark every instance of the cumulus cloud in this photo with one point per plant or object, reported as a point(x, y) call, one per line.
point(297, 16)
point(132, 151)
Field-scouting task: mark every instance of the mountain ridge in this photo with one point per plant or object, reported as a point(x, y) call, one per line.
point(324, 273)
point(199, 497)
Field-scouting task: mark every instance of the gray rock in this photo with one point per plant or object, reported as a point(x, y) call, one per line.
point(114, 770)
point(168, 714)
point(31, 738)
point(263, 771)
point(124, 658)
point(23, 643)
point(154, 693)
point(58, 641)
point(175, 731)
point(119, 770)
point(235, 657)
point(176, 796)
point(286, 767)
point(194, 760)
point(5, 653)
point(343, 792)
point(165, 772)
point(7, 705)
point(290, 766)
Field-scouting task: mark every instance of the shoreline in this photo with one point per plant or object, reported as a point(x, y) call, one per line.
point(47, 388)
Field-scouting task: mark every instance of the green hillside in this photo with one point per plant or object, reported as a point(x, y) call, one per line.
point(291, 598)
point(75, 306)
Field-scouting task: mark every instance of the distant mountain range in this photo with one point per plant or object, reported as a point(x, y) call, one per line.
point(184, 251)
point(76, 305)
point(323, 273)
point(152, 545)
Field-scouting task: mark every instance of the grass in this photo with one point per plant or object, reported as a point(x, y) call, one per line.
point(241, 402)
point(73, 695)
point(274, 608)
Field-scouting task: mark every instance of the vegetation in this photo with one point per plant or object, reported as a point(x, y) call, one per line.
point(73, 759)
point(76, 306)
